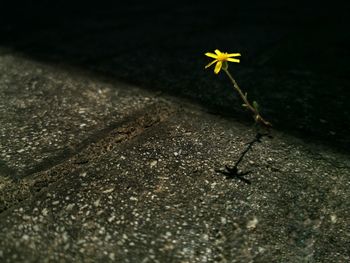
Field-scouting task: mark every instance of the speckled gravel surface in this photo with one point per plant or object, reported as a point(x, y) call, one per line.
point(46, 112)
point(157, 197)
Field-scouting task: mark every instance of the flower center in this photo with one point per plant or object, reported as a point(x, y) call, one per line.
point(222, 57)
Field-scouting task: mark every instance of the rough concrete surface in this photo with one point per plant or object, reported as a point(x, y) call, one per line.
point(48, 115)
point(153, 187)
point(46, 112)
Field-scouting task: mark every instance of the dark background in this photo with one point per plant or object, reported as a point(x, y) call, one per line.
point(294, 56)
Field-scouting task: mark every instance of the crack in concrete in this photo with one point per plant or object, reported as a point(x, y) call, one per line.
point(17, 190)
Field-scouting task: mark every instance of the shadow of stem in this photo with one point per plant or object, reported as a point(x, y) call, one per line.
point(234, 172)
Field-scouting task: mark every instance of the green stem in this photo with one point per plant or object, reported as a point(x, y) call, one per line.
point(257, 116)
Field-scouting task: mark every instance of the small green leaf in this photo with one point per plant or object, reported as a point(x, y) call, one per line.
point(224, 65)
point(256, 105)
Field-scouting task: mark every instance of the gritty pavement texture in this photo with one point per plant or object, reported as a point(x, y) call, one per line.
point(169, 168)
point(48, 115)
point(47, 112)
point(153, 186)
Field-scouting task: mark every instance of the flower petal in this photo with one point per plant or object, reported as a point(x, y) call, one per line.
point(233, 60)
point(212, 55)
point(218, 67)
point(211, 63)
point(217, 52)
point(234, 55)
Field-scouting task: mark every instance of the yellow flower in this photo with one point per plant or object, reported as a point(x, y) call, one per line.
point(220, 58)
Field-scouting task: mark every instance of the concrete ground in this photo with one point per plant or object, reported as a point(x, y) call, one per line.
point(169, 168)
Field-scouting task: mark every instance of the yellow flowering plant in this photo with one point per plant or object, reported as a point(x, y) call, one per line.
point(221, 60)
